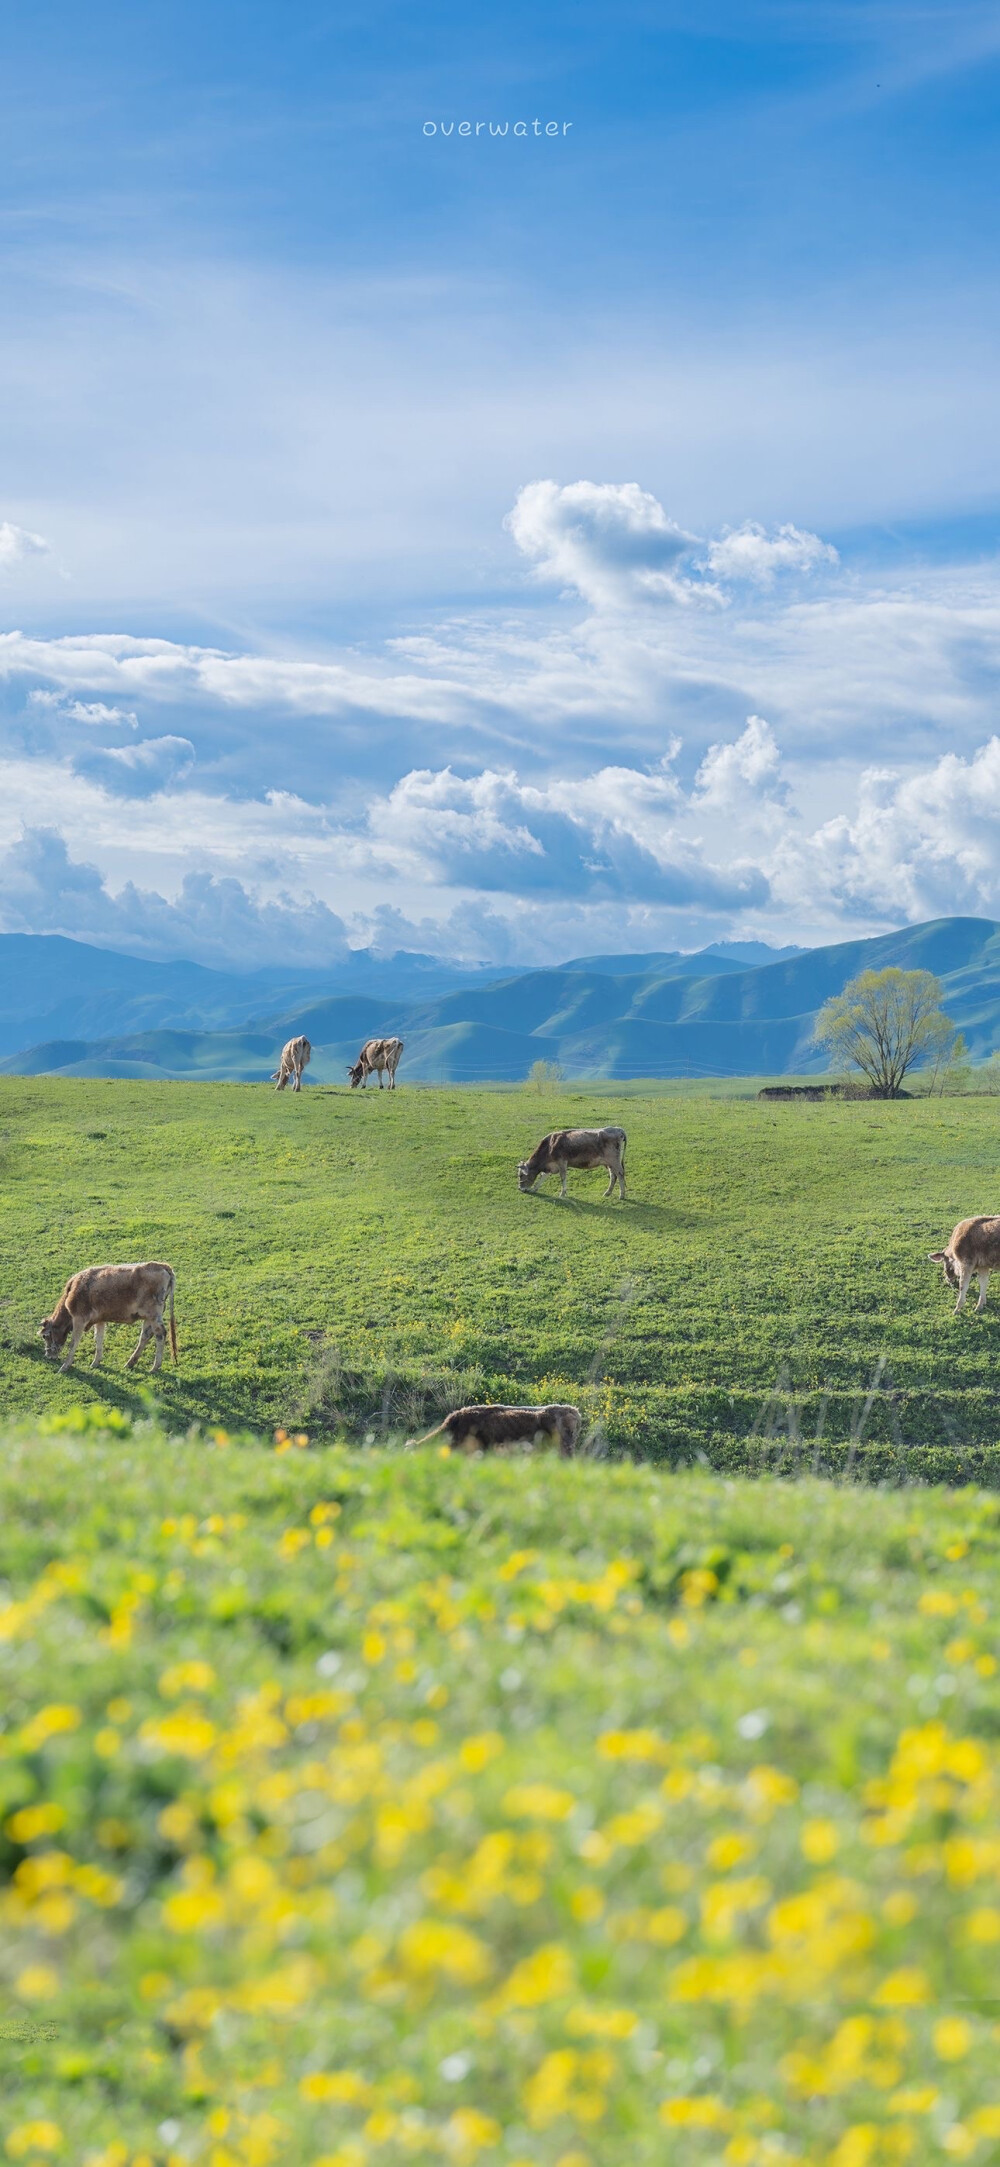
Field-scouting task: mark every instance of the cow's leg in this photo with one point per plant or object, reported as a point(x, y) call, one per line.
point(99, 1331)
point(612, 1178)
point(160, 1335)
point(78, 1331)
point(143, 1340)
point(380, 1079)
point(564, 1170)
point(621, 1181)
point(984, 1284)
point(965, 1283)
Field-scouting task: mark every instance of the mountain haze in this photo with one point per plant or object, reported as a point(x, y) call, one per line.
point(623, 1016)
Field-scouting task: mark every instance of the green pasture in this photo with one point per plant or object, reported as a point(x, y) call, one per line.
point(359, 1807)
point(358, 1263)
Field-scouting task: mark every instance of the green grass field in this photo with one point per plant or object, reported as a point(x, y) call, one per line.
point(358, 1807)
point(366, 1261)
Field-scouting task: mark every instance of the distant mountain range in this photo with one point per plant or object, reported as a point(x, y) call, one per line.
point(736, 1008)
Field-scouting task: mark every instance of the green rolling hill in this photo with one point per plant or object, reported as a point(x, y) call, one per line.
point(636, 1016)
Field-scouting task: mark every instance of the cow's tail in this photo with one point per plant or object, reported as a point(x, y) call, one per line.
point(427, 1439)
point(173, 1327)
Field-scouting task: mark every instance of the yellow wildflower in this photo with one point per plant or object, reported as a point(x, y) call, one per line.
point(730, 1850)
point(34, 2137)
point(344, 2085)
point(435, 1946)
point(36, 1983)
point(476, 1753)
point(50, 1722)
point(468, 2133)
point(906, 1988)
point(697, 2113)
point(538, 1802)
point(819, 1841)
point(952, 2038)
point(545, 1976)
point(546, 2094)
point(985, 2121)
point(193, 1677)
point(34, 1821)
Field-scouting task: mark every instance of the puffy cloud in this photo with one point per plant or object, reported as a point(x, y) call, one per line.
point(17, 544)
point(138, 771)
point(95, 712)
point(610, 541)
point(616, 546)
point(749, 765)
point(750, 553)
point(213, 920)
point(614, 833)
point(922, 845)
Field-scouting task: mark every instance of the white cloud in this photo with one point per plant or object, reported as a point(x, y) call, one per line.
point(213, 920)
point(922, 845)
point(614, 833)
point(17, 544)
point(610, 541)
point(731, 772)
point(138, 771)
point(96, 712)
point(750, 553)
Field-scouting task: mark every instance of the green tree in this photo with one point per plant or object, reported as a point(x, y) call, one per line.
point(885, 1023)
point(956, 1076)
point(542, 1075)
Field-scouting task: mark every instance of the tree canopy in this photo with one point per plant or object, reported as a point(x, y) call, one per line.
point(885, 1023)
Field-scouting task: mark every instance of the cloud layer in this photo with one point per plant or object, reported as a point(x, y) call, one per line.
point(686, 737)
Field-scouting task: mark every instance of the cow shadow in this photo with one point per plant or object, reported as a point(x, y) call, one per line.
point(639, 1213)
point(169, 1397)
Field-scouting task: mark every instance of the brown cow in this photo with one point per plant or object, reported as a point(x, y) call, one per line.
point(973, 1252)
point(488, 1427)
point(106, 1294)
point(294, 1058)
point(377, 1055)
point(577, 1147)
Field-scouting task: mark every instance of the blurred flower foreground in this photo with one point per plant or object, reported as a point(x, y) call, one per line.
point(363, 1807)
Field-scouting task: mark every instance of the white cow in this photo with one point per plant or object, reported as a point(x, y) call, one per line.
point(294, 1058)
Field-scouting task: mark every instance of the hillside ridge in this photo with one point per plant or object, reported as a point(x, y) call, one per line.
point(665, 1016)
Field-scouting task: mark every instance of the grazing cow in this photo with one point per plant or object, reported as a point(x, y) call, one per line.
point(106, 1294)
point(377, 1055)
point(973, 1251)
point(577, 1147)
point(294, 1058)
point(488, 1427)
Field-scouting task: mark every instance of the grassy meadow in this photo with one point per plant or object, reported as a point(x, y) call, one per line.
point(358, 1263)
point(358, 1808)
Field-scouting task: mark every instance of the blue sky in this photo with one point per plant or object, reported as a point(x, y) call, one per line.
point(498, 545)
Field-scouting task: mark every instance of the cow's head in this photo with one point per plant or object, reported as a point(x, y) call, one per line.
point(55, 1331)
point(355, 1073)
point(944, 1257)
point(525, 1178)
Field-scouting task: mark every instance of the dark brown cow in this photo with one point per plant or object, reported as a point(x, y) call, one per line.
point(973, 1252)
point(377, 1055)
point(487, 1427)
point(106, 1294)
point(294, 1058)
point(577, 1147)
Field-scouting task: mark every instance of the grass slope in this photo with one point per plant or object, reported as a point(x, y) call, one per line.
point(357, 1808)
point(367, 1259)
